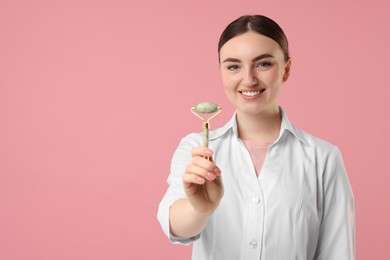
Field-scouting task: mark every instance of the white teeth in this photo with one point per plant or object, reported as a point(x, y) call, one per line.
point(250, 93)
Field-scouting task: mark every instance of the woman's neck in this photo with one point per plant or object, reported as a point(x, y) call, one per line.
point(263, 127)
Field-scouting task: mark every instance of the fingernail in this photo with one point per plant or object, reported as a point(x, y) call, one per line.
point(200, 180)
point(217, 171)
point(210, 176)
point(208, 152)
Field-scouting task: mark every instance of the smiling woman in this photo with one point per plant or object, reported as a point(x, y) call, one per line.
point(271, 191)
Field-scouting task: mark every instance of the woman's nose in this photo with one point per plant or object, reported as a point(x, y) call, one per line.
point(249, 78)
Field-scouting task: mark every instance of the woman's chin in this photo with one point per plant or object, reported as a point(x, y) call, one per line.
point(256, 109)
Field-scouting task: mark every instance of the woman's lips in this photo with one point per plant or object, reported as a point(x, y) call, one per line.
point(252, 93)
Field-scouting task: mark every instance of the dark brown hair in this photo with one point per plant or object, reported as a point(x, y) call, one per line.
point(257, 23)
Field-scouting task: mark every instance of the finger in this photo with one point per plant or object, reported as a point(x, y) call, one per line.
point(206, 164)
point(190, 178)
point(203, 163)
point(201, 172)
point(202, 151)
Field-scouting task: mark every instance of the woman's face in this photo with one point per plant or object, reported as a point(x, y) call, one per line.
point(253, 69)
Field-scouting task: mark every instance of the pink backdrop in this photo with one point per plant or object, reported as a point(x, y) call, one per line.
point(95, 95)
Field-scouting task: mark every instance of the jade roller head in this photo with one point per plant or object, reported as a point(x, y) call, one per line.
point(206, 108)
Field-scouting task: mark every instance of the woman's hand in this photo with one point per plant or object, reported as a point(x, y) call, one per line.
point(202, 182)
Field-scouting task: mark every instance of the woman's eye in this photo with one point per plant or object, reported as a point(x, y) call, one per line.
point(264, 64)
point(233, 67)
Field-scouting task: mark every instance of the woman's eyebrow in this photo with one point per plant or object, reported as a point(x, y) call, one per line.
point(262, 56)
point(231, 60)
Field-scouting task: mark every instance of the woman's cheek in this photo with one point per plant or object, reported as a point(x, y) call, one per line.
point(273, 77)
point(229, 81)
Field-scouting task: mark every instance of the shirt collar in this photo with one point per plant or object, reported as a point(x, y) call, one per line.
point(285, 126)
point(288, 126)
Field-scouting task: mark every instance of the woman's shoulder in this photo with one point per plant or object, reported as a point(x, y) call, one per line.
point(311, 141)
point(318, 144)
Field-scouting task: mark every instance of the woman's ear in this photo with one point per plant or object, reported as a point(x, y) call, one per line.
point(287, 71)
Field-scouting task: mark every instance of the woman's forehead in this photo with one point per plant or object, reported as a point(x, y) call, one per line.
point(250, 44)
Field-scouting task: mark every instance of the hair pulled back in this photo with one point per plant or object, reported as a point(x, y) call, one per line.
point(257, 23)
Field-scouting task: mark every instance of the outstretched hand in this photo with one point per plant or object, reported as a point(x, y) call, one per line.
point(202, 181)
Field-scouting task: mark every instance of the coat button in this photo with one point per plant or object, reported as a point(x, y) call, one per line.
point(256, 200)
point(253, 243)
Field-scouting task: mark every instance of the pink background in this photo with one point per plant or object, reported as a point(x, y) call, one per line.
point(95, 96)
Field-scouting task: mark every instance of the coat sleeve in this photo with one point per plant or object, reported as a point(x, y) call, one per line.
point(337, 231)
point(181, 158)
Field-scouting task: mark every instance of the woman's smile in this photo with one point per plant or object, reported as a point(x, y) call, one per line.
point(251, 94)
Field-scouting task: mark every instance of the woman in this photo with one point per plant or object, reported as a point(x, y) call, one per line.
point(271, 191)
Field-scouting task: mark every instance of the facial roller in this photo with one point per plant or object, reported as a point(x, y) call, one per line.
point(206, 108)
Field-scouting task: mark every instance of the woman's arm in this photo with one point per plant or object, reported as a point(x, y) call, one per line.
point(337, 232)
point(204, 190)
